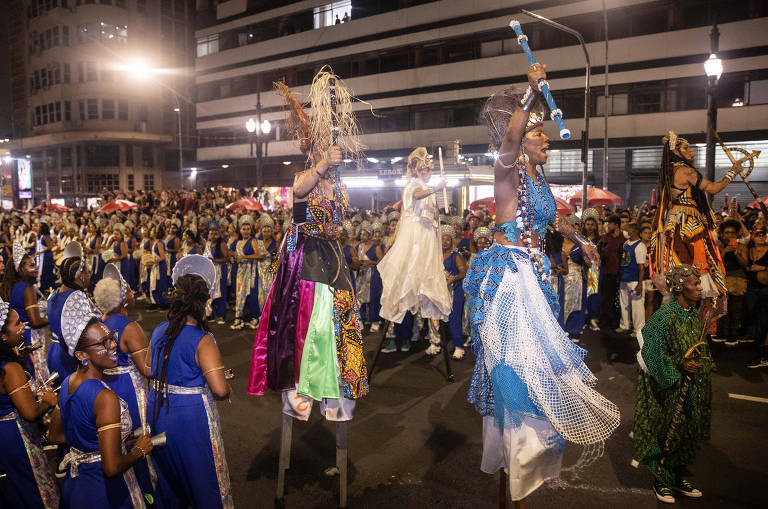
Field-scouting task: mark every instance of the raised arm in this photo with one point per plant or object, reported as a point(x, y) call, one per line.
point(308, 179)
point(689, 176)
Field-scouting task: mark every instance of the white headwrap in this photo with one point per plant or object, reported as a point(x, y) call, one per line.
point(74, 250)
point(77, 311)
point(112, 272)
point(198, 265)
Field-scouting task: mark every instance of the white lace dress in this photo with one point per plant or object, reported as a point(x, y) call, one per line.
point(412, 270)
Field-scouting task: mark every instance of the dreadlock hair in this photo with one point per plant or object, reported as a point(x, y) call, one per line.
point(188, 298)
point(7, 353)
point(68, 270)
point(11, 277)
point(669, 159)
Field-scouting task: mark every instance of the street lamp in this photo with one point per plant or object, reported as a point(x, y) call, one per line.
point(258, 130)
point(714, 69)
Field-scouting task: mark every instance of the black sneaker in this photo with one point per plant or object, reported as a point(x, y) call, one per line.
point(663, 494)
point(687, 489)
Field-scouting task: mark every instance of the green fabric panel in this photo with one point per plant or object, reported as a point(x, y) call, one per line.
point(318, 378)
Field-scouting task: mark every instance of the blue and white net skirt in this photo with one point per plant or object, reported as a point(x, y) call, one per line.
point(530, 382)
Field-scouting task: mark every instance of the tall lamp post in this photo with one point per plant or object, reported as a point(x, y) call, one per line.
point(177, 109)
point(258, 131)
point(714, 68)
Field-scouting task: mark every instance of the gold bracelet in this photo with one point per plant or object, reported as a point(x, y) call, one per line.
point(142, 451)
point(139, 351)
point(109, 426)
point(212, 369)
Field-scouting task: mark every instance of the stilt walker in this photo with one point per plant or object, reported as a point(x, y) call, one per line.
point(309, 344)
point(530, 382)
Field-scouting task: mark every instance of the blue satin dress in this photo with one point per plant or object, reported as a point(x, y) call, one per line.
point(457, 308)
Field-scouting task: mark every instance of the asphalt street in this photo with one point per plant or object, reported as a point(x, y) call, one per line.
point(416, 442)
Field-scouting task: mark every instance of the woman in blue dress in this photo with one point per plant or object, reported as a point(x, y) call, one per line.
point(45, 258)
point(370, 254)
point(29, 483)
point(189, 377)
point(113, 297)
point(95, 422)
point(173, 245)
point(74, 277)
point(132, 243)
point(159, 272)
point(455, 269)
point(19, 290)
point(93, 250)
point(232, 238)
point(530, 382)
point(145, 265)
point(553, 242)
point(191, 244)
point(122, 253)
point(217, 250)
point(247, 255)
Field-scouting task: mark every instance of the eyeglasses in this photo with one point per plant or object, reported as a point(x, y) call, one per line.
point(106, 342)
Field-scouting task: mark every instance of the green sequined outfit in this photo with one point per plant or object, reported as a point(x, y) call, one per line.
point(667, 336)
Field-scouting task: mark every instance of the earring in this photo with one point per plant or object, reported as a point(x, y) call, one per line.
point(85, 363)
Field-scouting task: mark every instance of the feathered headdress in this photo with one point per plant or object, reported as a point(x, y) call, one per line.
point(297, 123)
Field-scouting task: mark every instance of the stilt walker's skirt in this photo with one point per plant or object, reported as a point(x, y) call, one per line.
point(309, 336)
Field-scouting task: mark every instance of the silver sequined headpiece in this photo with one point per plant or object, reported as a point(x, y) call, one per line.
point(449, 230)
point(78, 310)
point(198, 265)
point(482, 232)
point(112, 272)
point(4, 308)
point(18, 253)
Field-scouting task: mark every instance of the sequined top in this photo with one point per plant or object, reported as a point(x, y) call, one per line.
point(324, 217)
point(541, 204)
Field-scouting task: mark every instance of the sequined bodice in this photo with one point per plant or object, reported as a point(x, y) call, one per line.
point(542, 210)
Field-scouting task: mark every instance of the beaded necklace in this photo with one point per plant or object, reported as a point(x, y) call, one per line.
point(524, 216)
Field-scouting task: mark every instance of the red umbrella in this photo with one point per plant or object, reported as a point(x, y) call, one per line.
point(398, 205)
point(563, 208)
point(118, 205)
point(53, 207)
point(755, 204)
point(244, 205)
point(484, 203)
point(597, 196)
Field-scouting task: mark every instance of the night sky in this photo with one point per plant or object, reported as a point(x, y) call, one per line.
point(5, 80)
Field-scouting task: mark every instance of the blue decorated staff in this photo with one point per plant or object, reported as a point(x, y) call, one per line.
point(555, 113)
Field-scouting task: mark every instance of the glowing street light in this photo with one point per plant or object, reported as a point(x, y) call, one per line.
point(713, 66)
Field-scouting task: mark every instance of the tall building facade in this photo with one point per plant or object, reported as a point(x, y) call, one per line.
point(426, 68)
point(97, 90)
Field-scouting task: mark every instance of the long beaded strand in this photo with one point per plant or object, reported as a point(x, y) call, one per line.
point(524, 215)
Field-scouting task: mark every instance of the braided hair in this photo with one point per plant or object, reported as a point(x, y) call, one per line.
point(7, 352)
point(11, 277)
point(188, 298)
point(68, 270)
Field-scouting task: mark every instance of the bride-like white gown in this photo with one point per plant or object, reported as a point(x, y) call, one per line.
point(412, 270)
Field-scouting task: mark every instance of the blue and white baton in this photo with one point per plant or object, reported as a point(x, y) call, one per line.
point(555, 114)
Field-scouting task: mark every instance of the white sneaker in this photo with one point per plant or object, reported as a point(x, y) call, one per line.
point(593, 325)
point(458, 354)
point(237, 324)
point(253, 324)
point(221, 321)
point(468, 342)
point(433, 349)
point(374, 327)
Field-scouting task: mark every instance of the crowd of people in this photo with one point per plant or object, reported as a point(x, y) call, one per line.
point(519, 285)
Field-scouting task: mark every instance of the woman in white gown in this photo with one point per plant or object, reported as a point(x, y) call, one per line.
point(412, 269)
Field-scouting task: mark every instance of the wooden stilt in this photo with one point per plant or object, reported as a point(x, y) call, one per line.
point(284, 463)
point(341, 461)
point(502, 489)
point(444, 335)
point(384, 328)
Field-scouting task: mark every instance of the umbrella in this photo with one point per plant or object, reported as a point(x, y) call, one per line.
point(484, 203)
point(118, 205)
point(53, 207)
point(563, 208)
point(398, 205)
point(756, 204)
point(244, 205)
point(597, 196)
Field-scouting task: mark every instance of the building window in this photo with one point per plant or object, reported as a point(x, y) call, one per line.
point(326, 15)
point(143, 112)
point(38, 116)
point(149, 182)
point(97, 182)
point(81, 109)
point(129, 157)
point(101, 156)
point(93, 109)
point(80, 73)
point(65, 35)
point(67, 110)
point(66, 74)
point(122, 110)
point(58, 111)
point(91, 74)
point(67, 184)
point(108, 109)
point(66, 157)
point(146, 156)
point(131, 185)
point(208, 45)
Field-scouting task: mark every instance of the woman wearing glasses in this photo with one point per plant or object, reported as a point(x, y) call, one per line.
point(113, 296)
point(95, 422)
